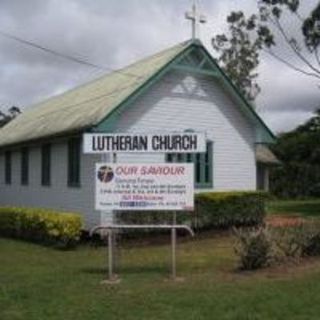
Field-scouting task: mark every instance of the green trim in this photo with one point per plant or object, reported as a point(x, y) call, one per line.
point(74, 162)
point(190, 60)
point(24, 166)
point(196, 70)
point(107, 124)
point(8, 167)
point(242, 100)
point(46, 164)
point(263, 133)
point(201, 163)
point(202, 63)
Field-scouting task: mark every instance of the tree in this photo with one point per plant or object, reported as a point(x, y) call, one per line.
point(12, 113)
point(299, 153)
point(239, 50)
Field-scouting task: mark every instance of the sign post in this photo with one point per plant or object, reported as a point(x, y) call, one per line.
point(110, 255)
point(144, 186)
point(174, 246)
point(112, 278)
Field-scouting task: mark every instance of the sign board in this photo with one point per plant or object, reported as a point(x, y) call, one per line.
point(144, 186)
point(187, 142)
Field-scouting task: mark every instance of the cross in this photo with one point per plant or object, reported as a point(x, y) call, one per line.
point(196, 19)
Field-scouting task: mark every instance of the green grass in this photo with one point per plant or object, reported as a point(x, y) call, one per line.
point(41, 283)
point(306, 208)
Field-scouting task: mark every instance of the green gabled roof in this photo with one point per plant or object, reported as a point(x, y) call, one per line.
point(87, 105)
point(92, 106)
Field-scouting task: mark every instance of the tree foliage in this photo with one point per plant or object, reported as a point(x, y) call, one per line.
point(299, 152)
point(6, 117)
point(239, 50)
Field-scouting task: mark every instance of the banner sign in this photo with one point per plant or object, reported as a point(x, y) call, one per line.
point(154, 143)
point(144, 186)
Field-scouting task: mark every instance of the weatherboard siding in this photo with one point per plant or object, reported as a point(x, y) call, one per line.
point(178, 102)
point(58, 195)
point(182, 102)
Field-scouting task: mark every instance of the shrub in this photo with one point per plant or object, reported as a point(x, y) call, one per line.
point(298, 241)
point(288, 241)
point(212, 210)
point(41, 225)
point(257, 247)
point(253, 247)
point(311, 240)
point(225, 209)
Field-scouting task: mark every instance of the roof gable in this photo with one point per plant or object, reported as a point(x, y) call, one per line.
point(263, 133)
point(194, 59)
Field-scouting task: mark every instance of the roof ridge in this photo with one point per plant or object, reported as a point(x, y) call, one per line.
point(182, 44)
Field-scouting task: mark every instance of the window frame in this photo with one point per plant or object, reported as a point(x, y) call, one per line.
point(74, 162)
point(24, 166)
point(203, 165)
point(8, 167)
point(46, 165)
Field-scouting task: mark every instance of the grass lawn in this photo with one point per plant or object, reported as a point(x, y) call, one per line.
point(41, 283)
point(305, 208)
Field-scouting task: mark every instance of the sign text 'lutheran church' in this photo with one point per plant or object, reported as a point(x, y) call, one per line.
point(153, 143)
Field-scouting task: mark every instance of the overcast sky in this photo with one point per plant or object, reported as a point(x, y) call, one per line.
point(115, 33)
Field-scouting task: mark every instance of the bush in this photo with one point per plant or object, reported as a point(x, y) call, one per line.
point(226, 209)
point(254, 248)
point(41, 225)
point(298, 241)
point(294, 180)
point(219, 210)
point(258, 247)
point(311, 240)
point(288, 241)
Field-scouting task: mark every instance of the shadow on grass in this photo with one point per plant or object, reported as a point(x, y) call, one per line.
point(41, 244)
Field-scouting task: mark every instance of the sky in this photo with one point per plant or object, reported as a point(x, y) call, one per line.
point(115, 33)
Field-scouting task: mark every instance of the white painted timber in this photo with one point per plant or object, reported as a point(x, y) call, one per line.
point(180, 102)
point(58, 195)
point(183, 102)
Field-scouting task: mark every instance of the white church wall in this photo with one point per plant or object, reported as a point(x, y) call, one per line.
point(179, 102)
point(182, 102)
point(58, 195)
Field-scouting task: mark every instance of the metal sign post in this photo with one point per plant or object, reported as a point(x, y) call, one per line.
point(114, 235)
point(110, 256)
point(109, 228)
point(174, 246)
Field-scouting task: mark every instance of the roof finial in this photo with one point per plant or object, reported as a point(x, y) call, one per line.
point(196, 19)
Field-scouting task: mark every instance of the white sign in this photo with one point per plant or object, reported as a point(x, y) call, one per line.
point(186, 142)
point(144, 186)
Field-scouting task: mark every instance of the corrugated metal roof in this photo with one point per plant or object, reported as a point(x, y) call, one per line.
point(265, 155)
point(87, 105)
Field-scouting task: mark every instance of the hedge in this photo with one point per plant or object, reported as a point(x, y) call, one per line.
point(41, 225)
point(214, 210)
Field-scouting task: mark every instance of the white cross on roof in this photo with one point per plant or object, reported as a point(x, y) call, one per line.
point(196, 18)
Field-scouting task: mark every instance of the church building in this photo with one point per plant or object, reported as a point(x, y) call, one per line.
point(180, 89)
